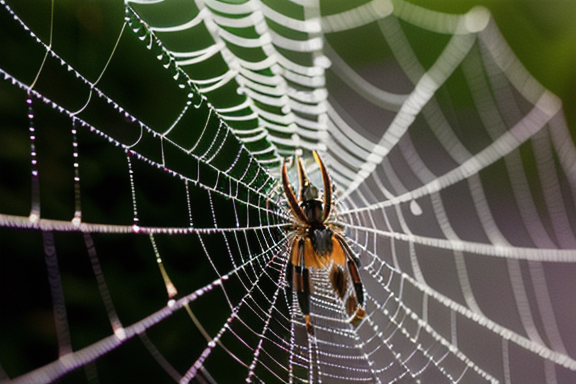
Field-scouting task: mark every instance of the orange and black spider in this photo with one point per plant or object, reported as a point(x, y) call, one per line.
point(319, 243)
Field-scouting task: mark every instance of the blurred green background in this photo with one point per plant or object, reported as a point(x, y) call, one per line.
point(542, 34)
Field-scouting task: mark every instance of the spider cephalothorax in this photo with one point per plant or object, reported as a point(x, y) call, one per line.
point(317, 243)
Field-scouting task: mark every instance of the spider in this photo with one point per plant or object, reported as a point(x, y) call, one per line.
point(318, 243)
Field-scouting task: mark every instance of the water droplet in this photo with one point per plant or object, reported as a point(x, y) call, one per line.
point(120, 333)
point(415, 208)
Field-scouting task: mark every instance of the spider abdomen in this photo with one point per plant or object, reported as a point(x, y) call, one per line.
point(314, 259)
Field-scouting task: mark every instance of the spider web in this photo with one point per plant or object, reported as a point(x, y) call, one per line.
point(143, 246)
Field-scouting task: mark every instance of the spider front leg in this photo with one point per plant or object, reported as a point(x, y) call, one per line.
point(301, 280)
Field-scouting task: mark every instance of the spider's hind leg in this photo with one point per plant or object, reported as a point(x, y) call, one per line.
point(301, 281)
point(354, 305)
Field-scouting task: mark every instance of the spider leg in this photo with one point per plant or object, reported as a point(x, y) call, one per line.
point(327, 185)
point(301, 281)
point(291, 197)
point(357, 306)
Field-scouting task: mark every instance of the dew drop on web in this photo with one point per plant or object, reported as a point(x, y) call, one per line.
point(415, 208)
